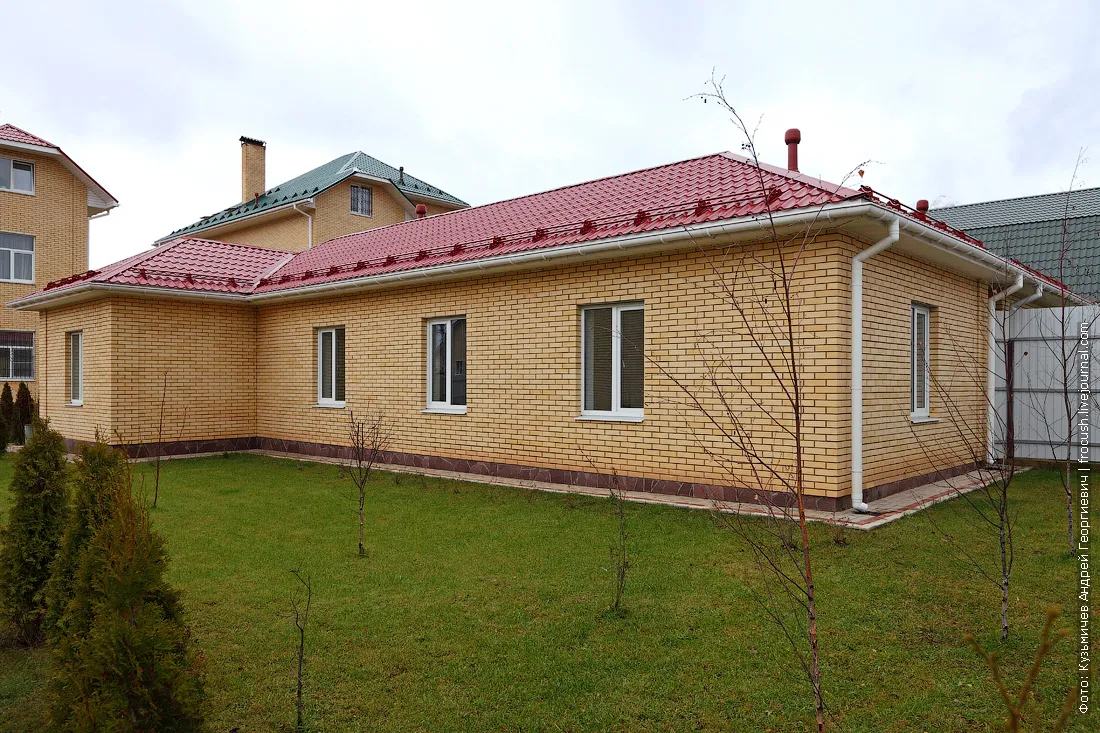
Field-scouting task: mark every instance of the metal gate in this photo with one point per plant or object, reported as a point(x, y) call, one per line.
point(1030, 404)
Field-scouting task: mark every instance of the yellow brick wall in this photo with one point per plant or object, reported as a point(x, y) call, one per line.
point(524, 366)
point(208, 351)
point(334, 217)
point(239, 371)
point(288, 231)
point(57, 217)
point(78, 422)
point(894, 446)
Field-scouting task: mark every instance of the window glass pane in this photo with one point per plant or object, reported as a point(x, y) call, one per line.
point(24, 266)
point(17, 338)
point(22, 363)
point(355, 199)
point(5, 172)
point(597, 359)
point(632, 375)
point(24, 242)
point(5, 363)
point(365, 201)
point(5, 264)
point(439, 362)
point(75, 355)
point(922, 360)
point(326, 365)
point(340, 365)
point(22, 175)
point(458, 361)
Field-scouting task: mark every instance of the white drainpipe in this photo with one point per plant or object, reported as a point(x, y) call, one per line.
point(991, 382)
point(309, 225)
point(1027, 301)
point(857, 359)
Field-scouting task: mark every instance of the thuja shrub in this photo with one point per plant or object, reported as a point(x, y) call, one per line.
point(29, 543)
point(101, 472)
point(24, 411)
point(125, 660)
point(7, 413)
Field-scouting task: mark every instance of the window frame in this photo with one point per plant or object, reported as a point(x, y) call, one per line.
point(11, 175)
point(617, 411)
point(444, 406)
point(11, 360)
point(916, 411)
point(11, 258)
point(79, 377)
point(358, 189)
point(323, 401)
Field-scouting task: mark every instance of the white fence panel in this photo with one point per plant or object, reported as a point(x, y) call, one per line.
point(1036, 415)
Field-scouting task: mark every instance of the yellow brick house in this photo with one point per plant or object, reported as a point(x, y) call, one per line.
point(351, 193)
point(46, 200)
point(558, 336)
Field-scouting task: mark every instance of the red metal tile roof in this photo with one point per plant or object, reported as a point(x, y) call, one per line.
point(14, 134)
point(711, 188)
point(188, 264)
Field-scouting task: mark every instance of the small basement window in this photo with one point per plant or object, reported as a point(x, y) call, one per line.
point(16, 355)
point(362, 200)
point(447, 364)
point(920, 372)
point(16, 175)
point(330, 366)
point(76, 367)
point(613, 361)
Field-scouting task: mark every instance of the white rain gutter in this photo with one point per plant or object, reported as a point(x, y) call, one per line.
point(991, 381)
point(309, 225)
point(1026, 301)
point(889, 240)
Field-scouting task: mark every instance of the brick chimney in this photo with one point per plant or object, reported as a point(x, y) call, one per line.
point(252, 168)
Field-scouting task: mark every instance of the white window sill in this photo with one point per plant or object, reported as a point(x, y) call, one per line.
point(18, 191)
point(365, 216)
point(610, 417)
point(79, 403)
point(457, 410)
point(331, 405)
point(919, 419)
point(18, 282)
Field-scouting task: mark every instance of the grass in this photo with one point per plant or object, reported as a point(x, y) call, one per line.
point(485, 608)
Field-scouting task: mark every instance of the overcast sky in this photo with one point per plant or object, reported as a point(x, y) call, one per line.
point(493, 101)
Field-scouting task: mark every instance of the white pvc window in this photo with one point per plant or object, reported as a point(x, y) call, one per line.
point(613, 361)
point(362, 200)
point(16, 175)
point(447, 364)
point(16, 355)
point(76, 368)
point(16, 257)
point(330, 367)
point(920, 372)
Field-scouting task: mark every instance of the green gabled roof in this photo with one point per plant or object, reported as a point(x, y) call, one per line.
point(1029, 229)
point(313, 182)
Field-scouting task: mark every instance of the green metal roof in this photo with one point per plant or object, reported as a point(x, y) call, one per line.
point(1030, 229)
point(314, 182)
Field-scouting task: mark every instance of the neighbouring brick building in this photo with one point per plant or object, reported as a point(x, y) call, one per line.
point(352, 193)
point(46, 200)
point(597, 329)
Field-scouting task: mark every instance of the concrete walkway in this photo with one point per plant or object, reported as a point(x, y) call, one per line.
point(880, 512)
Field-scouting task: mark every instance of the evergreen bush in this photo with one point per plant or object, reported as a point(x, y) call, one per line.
point(29, 543)
point(24, 411)
point(7, 413)
point(101, 473)
point(125, 660)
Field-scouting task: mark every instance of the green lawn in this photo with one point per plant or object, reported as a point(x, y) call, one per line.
point(483, 608)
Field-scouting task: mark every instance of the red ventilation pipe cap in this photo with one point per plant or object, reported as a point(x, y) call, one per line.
point(922, 206)
point(421, 211)
point(792, 138)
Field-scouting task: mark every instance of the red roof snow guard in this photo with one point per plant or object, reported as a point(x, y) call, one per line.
point(188, 264)
point(700, 190)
